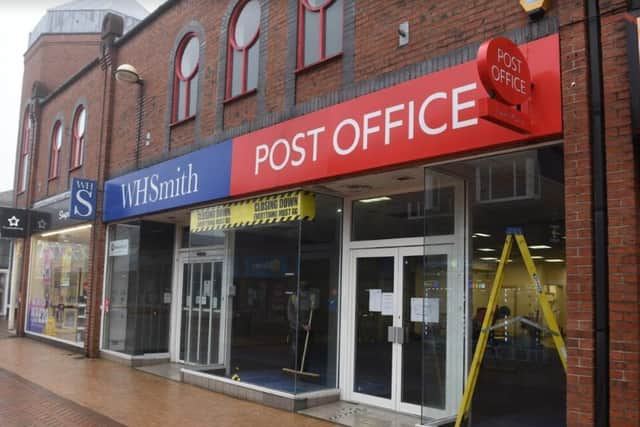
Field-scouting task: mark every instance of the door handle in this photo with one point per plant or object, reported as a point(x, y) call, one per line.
point(395, 334)
point(391, 334)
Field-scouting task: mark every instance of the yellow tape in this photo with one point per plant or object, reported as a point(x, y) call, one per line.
point(285, 207)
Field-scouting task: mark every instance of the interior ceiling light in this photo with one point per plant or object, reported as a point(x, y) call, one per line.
point(480, 235)
point(539, 247)
point(375, 199)
point(554, 260)
point(485, 250)
point(489, 258)
point(67, 230)
point(537, 257)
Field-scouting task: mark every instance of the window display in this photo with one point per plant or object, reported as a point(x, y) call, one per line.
point(283, 275)
point(58, 282)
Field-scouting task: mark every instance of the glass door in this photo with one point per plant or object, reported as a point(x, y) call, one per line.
point(201, 313)
point(407, 339)
point(374, 273)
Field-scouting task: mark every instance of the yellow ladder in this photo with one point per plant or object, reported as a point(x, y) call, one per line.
point(481, 346)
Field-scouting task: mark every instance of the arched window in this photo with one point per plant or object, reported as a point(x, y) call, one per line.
point(185, 82)
point(56, 147)
point(77, 134)
point(320, 30)
point(244, 49)
point(24, 152)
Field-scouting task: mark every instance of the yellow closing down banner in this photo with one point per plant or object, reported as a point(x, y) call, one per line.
point(291, 206)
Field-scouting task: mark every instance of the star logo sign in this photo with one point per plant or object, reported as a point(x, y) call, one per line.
point(13, 221)
point(42, 224)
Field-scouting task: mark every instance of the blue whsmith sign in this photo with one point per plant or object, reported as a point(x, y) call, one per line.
point(196, 177)
point(83, 199)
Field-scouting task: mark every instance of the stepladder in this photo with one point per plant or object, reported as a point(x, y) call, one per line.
point(512, 234)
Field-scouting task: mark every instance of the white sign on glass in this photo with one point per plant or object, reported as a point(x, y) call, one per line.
point(375, 300)
point(119, 247)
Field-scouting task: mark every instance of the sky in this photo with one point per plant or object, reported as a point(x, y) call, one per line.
point(17, 19)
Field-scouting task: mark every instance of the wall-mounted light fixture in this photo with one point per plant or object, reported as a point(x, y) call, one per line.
point(127, 73)
point(535, 8)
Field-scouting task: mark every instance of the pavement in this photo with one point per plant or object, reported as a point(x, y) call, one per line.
point(42, 385)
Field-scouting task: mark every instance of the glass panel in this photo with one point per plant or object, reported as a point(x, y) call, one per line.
point(205, 314)
point(285, 275)
point(319, 280)
point(202, 239)
point(190, 57)
point(311, 37)
point(434, 345)
point(185, 308)
point(413, 291)
point(402, 215)
point(194, 318)
point(236, 73)
point(247, 24)
point(521, 377)
point(58, 137)
point(333, 32)
point(58, 280)
point(373, 351)
point(138, 290)
point(193, 95)
point(25, 170)
point(182, 100)
point(81, 122)
point(253, 58)
point(215, 293)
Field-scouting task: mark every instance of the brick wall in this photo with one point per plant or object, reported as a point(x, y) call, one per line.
point(623, 210)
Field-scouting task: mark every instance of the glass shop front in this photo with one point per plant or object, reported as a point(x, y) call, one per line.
point(374, 285)
point(58, 275)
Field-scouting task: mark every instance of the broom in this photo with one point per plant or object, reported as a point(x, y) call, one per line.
point(304, 355)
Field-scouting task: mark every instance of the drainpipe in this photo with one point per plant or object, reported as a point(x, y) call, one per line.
point(600, 237)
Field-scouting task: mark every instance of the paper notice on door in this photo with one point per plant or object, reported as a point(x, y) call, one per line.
point(432, 310)
point(375, 300)
point(387, 303)
point(417, 309)
point(207, 287)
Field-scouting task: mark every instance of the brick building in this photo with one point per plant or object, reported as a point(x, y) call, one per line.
point(301, 201)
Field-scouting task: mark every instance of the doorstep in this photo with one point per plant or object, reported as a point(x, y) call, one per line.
point(273, 398)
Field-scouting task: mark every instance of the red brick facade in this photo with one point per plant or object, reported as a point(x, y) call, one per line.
point(437, 29)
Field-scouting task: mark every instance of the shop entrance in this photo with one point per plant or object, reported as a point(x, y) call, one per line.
point(202, 310)
point(388, 346)
point(405, 303)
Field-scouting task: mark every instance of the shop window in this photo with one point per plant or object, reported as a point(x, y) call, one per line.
point(59, 278)
point(23, 172)
point(185, 84)
point(523, 191)
point(78, 137)
point(320, 30)
point(285, 285)
point(402, 215)
point(138, 291)
point(56, 147)
point(244, 49)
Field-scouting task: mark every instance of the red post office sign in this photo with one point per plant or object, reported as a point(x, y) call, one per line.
point(504, 71)
point(432, 116)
